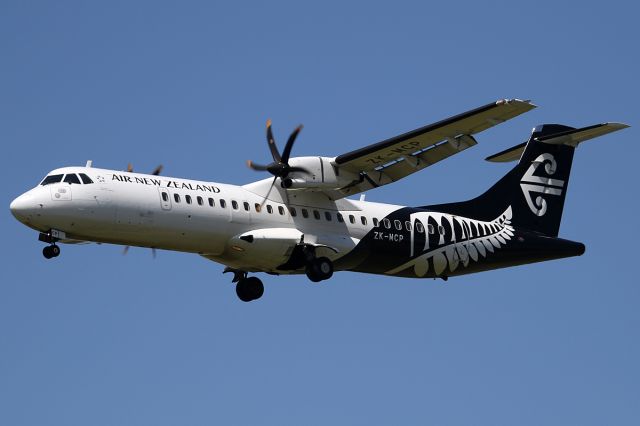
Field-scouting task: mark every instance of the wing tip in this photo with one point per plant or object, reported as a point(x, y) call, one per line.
point(522, 102)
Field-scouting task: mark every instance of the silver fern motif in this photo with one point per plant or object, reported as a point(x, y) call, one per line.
point(478, 240)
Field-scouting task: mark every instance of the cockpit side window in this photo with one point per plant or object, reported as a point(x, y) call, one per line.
point(72, 178)
point(85, 179)
point(51, 179)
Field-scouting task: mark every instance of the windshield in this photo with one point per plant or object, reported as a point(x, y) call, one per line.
point(51, 179)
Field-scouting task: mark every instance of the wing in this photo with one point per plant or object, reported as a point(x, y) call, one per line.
point(392, 159)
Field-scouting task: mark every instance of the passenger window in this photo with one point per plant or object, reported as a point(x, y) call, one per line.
point(269, 209)
point(258, 207)
point(72, 178)
point(211, 202)
point(340, 218)
point(292, 211)
point(234, 204)
point(398, 225)
point(281, 210)
point(419, 227)
point(441, 229)
point(375, 222)
point(305, 213)
point(327, 216)
point(187, 198)
point(85, 179)
point(408, 226)
point(51, 179)
point(430, 229)
point(316, 214)
point(165, 196)
point(387, 223)
point(246, 206)
point(200, 200)
point(176, 198)
point(352, 218)
point(363, 220)
point(223, 203)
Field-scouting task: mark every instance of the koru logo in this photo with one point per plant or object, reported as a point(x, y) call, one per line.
point(541, 185)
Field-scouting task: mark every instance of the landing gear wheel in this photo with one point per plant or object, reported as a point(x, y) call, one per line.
point(51, 251)
point(47, 252)
point(249, 289)
point(319, 269)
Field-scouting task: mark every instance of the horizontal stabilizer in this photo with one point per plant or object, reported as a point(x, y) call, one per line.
point(510, 154)
point(575, 136)
point(568, 136)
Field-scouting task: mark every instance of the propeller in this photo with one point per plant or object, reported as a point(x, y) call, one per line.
point(280, 167)
point(155, 172)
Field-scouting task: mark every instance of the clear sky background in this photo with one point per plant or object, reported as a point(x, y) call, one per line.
point(97, 338)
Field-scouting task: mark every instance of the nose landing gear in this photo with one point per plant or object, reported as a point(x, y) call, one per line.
point(247, 288)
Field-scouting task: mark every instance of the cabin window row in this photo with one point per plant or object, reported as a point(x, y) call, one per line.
point(177, 198)
point(339, 217)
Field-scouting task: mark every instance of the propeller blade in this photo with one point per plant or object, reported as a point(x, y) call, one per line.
point(273, 182)
point(256, 167)
point(153, 252)
point(125, 251)
point(157, 170)
point(130, 168)
point(287, 148)
point(272, 144)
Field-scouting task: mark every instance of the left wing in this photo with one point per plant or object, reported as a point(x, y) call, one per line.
point(392, 159)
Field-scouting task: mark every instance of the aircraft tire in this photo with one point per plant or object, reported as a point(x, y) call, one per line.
point(249, 289)
point(319, 269)
point(256, 286)
point(47, 253)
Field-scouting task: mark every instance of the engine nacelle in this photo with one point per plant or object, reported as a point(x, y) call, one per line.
point(320, 174)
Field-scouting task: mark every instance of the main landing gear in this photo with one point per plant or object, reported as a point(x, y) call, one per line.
point(319, 269)
point(247, 288)
point(51, 251)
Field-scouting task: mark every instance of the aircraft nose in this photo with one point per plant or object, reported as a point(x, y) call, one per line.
point(21, 207)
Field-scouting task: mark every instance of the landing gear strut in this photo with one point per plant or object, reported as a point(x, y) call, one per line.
point(51, 251)
point(247, 288)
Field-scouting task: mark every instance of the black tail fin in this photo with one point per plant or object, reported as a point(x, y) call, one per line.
point(535, 188)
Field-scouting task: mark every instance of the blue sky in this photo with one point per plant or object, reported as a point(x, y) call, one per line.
point(95, 337)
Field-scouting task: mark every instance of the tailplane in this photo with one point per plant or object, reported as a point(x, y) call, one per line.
point(536, 187)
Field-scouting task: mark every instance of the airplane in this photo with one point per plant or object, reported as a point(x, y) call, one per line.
point(300, 221)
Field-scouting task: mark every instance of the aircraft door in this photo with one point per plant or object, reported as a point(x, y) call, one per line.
point(165, 198)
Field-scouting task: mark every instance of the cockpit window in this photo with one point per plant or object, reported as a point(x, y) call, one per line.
point(85, 179)
point(51, 179)
point(72, 178)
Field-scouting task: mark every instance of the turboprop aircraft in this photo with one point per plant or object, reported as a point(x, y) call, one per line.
point(300, 221)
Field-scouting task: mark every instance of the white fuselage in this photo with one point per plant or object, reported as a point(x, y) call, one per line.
point(198, 217)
